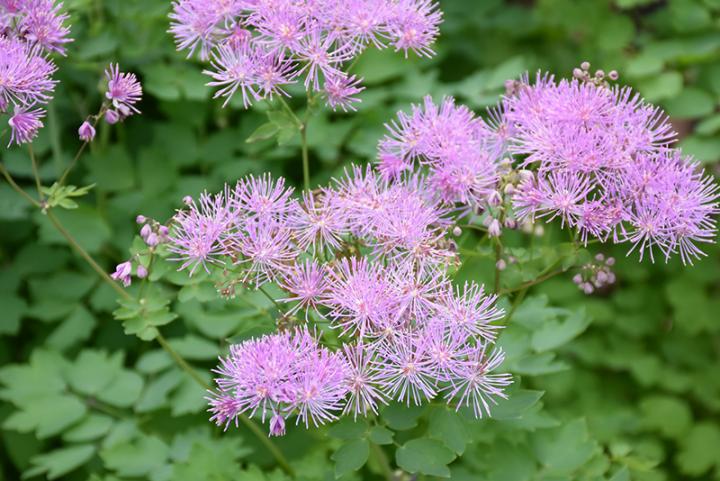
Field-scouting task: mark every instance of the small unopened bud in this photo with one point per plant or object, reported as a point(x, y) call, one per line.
point(140, 219)
point(457, 231)
point(141, 272)
point(152, 239)
point(602, 277)
point(187, 200)
point(539, 230)
point(588, 288)
point(613, 75)
point(501, 265)
point(277, 425)
point(494, 229)
point(585, 65)
point(163, 231)
point(511, 224)
point(610, 261)
point(509, 189)
point(86, 132)
point(525, 175)
point(600, 74)
point(494, 199)
point(145, 231)
point(599, 257)
point(112, 117)
point(577, 279)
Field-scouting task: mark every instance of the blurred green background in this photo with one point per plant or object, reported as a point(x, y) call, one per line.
point(634, 396)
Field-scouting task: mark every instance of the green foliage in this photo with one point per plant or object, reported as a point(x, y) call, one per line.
point(618, 386)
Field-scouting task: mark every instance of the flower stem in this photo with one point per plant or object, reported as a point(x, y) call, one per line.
point(498, 256)
point(382, 459)
point(83, 253)
point(16, 187)
point(38, 186)
point(305, 156)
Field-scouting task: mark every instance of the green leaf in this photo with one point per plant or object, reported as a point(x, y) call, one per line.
point(446, 426)
point(61, 461)
point(137, 458)
point(425, 456)
point(564, 449)
point(667, 414)
point(92, 427)
point(381, 435)
point(195, 348)
point(555, 333)
point(93, 371)
point(517, 403)
point(13, 309)
point(76, 328)
point(265, 132)
point(124, 390)
point(85, 224)
point(691, 103)
point(47, 416)
point(699, 449)
point(351, 456)
point(347, 428)
point(400, 417)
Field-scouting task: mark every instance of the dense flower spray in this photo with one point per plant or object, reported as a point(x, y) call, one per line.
point(371, 313)
point(30, 30)
point(256, 49)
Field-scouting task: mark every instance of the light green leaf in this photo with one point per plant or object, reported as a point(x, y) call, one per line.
point(555, 333)
point(137, 458)
point(447, 427)
point(92, 427)
point(347, 428)
point(699, 449)
point(425, 456)
point(351, 456)
point(47, 416)
point(61, 461)
point(381, 435)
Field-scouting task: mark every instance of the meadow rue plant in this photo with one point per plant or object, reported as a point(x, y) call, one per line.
point(257, 48)
point(369, 312)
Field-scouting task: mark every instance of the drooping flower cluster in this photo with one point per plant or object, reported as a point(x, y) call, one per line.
point(367, 256)
point(257, 48)
point(29, 31)
point(595, 156)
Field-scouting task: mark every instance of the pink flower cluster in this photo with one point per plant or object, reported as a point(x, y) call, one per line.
point(29, 31)
point(593, 155)
point(368, 257)
point(257, 48)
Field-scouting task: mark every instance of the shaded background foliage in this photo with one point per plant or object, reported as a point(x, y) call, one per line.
point(629, 376)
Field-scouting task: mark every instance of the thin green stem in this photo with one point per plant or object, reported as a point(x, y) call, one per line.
point(16, 187)
point(305, 156)
point(82, 148)
point(498, 256)
point(537, 280)
point(38, 186)
point(182, 363)
point(83, 253)
point(382, 459)
point(272, 299)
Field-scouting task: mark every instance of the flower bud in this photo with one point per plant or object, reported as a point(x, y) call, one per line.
point(86, 132)
point(511, 224)
point(599, 257)
point(494, 229)
point(585, 65)
point(163, 231)
point(500, 265)
point(613, 75)
point(509, 189)
point(141, 219)
point(187, 200)
point(494, 199)
point(277, 425)
point(457, 231)
point(145, 231)
point(577, 279)
point(610, 261)
point(141, 272)
point(588, 288)
point(112, 117)
point(152, 239)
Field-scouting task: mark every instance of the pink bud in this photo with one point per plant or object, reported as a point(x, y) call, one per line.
point(142, 272)
point(457, 231)
point(277, 425)
point(140, 219)
point(494, 230)
point(500, 265)
point(86, 132)
point(112, 117)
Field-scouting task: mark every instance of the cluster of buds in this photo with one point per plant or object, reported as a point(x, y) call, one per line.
point(595, 275)
point(599, 78)
point(152, 231)
point(123, 271)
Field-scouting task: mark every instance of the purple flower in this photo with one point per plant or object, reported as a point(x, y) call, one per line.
point(235, 69)
point(198, 233)
point(359, 297)
point(24, 125)
point(415, 26)
point(470, 310)
point(122, 273)
point(268, 249)
point(42, 24)
point(406, 369)
point(363, 387)
point(112, 117)
point(123, 90)
point(307, 284)
point(262, 198)
point(86, 132)
point(25, 75)
point(341, 91)
point(194, 25)
point(475, 385)
point(319, 222)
